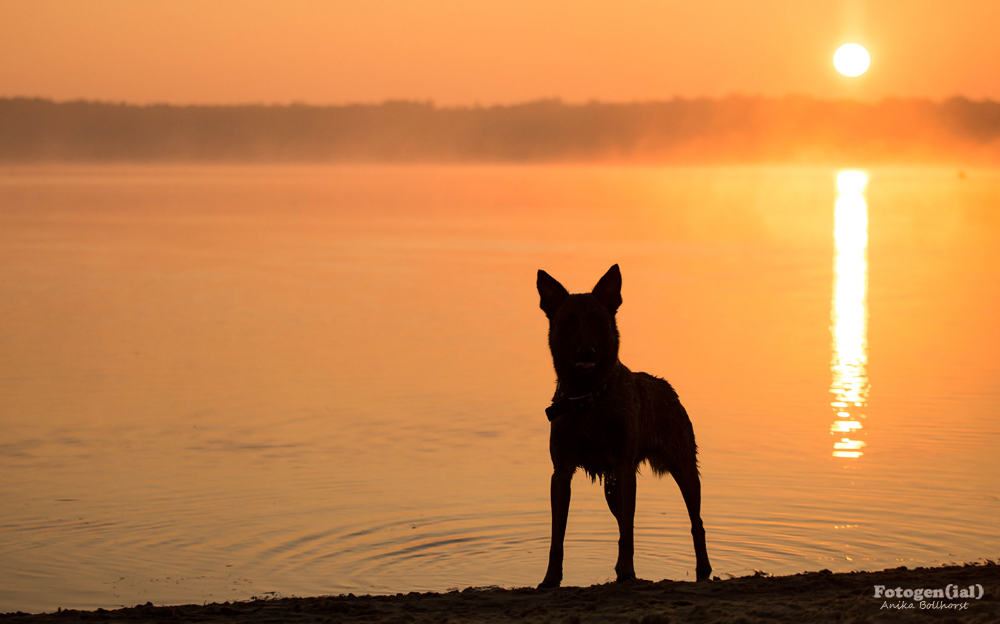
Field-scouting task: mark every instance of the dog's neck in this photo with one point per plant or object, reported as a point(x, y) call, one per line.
point(579, 397)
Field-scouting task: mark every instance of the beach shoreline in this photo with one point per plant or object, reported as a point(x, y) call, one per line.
point(805, 597)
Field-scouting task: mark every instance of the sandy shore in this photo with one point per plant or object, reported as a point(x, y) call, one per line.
point(808, 597)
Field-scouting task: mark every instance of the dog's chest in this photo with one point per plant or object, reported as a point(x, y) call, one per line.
point(593, 440)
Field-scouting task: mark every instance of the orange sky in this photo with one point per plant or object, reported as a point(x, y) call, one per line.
point(490, 51)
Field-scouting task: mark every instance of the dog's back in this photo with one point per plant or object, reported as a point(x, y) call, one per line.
point(665, 428)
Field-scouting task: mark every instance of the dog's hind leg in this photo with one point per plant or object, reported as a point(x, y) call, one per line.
point(560, 494)
point(619, 491)
point(687, 479)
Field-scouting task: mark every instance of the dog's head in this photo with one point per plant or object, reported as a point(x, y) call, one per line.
point(583, 335)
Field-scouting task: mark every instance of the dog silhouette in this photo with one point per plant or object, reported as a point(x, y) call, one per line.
point(608, 420)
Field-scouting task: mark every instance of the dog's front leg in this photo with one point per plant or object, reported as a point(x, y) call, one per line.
point(560, 492)
point(624, 486)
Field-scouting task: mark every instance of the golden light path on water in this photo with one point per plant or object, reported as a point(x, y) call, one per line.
point(850, 314)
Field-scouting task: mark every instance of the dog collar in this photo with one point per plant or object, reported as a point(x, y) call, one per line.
point(563, 404)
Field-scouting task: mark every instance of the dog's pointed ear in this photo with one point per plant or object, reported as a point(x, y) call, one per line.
point(609, 289)
point(552, 292)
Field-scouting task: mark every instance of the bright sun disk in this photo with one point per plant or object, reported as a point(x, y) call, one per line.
point(851, 60)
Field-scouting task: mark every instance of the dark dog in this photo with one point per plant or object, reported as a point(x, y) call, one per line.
point(608, 420)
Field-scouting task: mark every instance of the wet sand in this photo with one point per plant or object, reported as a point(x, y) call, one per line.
point(807, 597)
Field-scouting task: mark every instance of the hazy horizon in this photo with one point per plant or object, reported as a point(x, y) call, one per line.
point(505, 104)
point(728, 130)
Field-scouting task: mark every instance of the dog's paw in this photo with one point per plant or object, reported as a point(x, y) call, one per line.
point(549, 583)
point(625, 578)
point(703, 574)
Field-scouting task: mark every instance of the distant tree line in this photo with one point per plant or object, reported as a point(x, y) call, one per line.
point(733, 129)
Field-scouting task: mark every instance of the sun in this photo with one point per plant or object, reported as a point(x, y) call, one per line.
point(851, 60)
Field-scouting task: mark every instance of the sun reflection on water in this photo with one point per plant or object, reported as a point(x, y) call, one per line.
point(850, 314)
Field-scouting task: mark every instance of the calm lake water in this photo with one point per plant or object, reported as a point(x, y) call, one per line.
point(222, 382)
